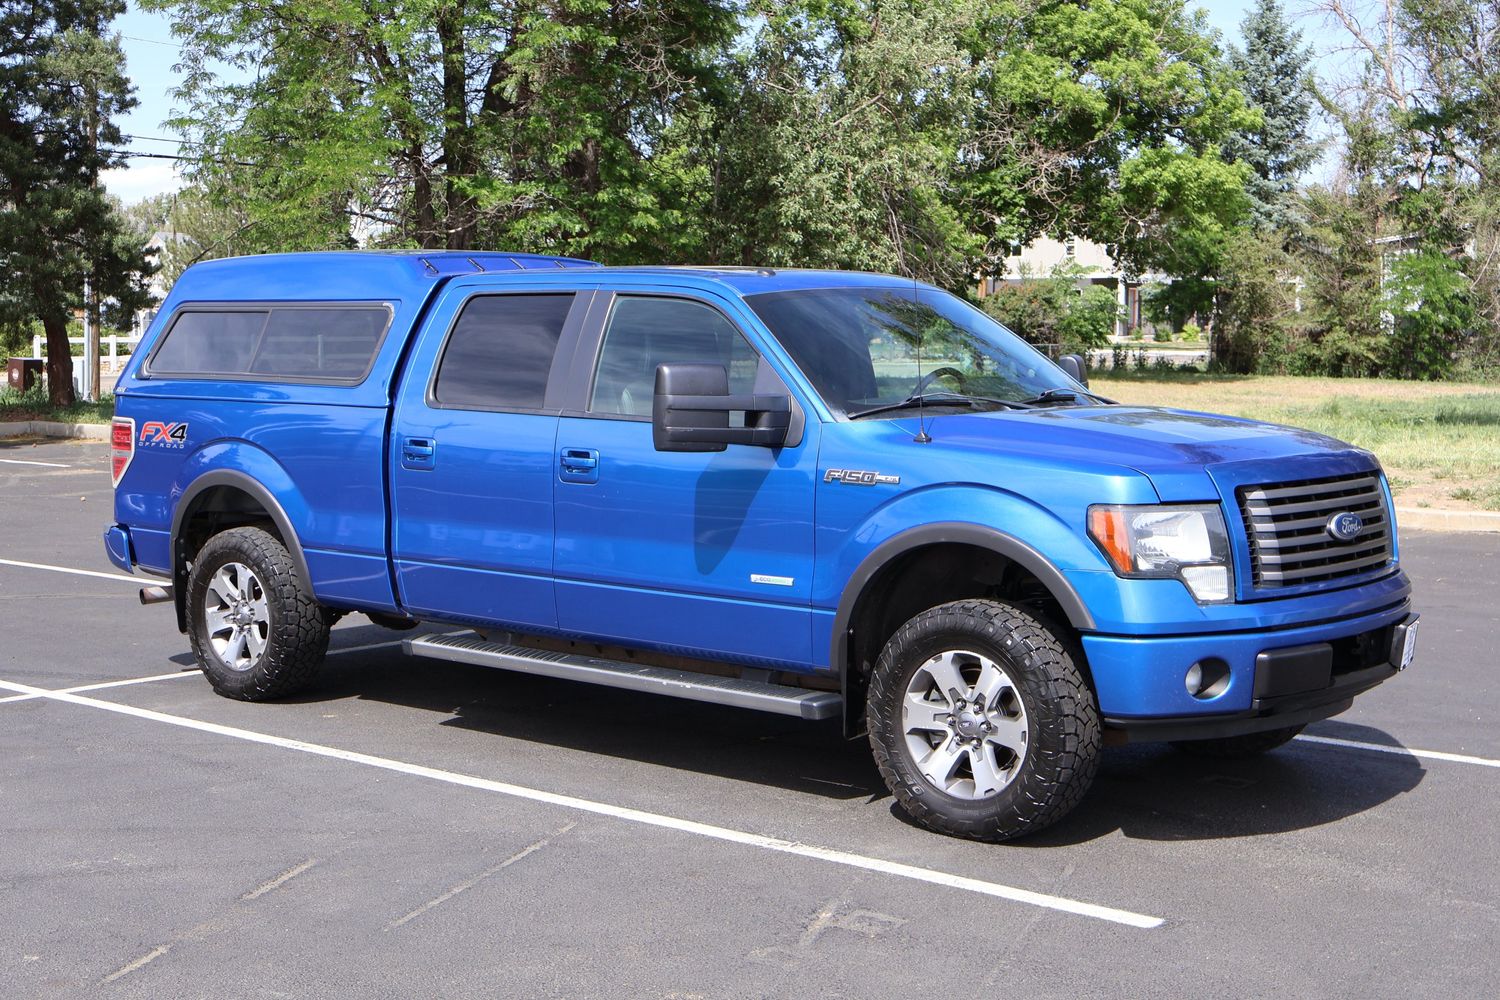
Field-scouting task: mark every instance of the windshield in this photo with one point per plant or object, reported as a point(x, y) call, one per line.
point(859, 347)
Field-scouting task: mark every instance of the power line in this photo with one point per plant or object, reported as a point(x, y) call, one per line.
point(153, 41)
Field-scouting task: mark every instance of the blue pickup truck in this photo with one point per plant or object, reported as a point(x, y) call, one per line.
point(826, 494)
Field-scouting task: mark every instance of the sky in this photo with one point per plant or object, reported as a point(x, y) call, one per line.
point(151, 53)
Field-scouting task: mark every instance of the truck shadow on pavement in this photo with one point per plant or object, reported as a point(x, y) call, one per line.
point(1153, 792)
point(772, 750)
point(1147, 791)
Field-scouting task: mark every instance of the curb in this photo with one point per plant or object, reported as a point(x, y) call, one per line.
point(53, 429)
point(1424, 519)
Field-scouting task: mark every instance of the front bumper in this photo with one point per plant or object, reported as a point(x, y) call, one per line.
point(1275, 678)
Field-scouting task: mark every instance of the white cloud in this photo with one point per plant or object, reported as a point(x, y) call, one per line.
point(141, 179)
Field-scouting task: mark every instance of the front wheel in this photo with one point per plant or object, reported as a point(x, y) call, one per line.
point(256, 632)
point(981, 723)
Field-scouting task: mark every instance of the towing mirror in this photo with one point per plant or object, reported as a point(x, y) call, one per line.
point(691, 408)
point(1075, 367)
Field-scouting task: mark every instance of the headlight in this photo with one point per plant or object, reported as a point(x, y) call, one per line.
point(1180, 543)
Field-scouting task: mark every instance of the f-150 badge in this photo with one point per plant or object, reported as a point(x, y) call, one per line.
point(859, 477)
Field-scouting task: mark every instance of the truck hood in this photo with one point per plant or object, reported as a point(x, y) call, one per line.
point(1179, 451)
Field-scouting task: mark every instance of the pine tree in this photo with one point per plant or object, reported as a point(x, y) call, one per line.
point(1273, 76)
point(61, 83)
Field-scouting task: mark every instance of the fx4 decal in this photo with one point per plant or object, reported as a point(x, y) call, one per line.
point(156, 432)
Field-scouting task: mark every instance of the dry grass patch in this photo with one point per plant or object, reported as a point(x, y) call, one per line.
point(1439, 441)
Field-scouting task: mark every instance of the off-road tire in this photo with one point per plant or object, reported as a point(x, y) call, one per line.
point(297, 638)
point(1064, 733)
point(1231, 747)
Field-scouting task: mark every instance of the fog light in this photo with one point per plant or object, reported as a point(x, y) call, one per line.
point(1208, 583)
point(1207, 679)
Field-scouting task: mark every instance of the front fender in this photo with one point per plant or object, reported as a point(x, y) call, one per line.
point(1011, 525)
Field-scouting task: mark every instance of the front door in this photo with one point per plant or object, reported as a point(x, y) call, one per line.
point(472, 456)
point(702, 554)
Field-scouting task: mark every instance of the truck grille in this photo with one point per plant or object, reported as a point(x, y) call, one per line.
point(1286, 524)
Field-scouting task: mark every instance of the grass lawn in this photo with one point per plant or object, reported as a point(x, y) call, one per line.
point(33, 405)
point(1439, 441)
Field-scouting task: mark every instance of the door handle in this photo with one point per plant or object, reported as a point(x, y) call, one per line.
point(579, 465)
point(418, 453)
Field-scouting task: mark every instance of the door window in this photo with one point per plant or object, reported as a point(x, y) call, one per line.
point(500, 352)
point(645, 332)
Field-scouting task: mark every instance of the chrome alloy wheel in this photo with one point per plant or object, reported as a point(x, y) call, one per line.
point(965, 724)
point(237, 618)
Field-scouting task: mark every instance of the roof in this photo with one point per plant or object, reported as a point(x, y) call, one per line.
point(386, 274)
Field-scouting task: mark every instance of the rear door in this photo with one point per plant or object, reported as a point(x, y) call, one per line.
point(707, 553)
point(472, 454)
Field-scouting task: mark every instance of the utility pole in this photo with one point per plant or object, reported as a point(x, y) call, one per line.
point(91, 288)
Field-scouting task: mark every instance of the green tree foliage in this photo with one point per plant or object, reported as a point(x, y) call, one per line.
point(450, 124)
point(881, 134)
point(1254, 300)
point(61, 84)
point(1273, 71)
point(1104, 120)
point(188, 226)
point(1420, 126)
point(836, 141)
point(1060, 309)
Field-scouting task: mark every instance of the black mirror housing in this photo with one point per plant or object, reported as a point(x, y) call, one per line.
point(691, 407)
point(1076, 367)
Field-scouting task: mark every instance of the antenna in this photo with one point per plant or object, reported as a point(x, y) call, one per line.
point(922, 436)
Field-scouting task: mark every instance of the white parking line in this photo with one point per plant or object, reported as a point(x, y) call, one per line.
point(1454, 758)
point(106, 684)
point(138, 581)
point(844, 858)
point(49, 465)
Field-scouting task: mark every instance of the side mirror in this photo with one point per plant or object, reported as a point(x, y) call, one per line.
point(691, 408)
point(1075, 366)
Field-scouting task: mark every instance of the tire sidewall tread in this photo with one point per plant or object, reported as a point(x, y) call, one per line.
point(298, 634)
point(1065, 735)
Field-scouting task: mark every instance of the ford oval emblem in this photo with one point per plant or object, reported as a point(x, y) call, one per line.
point(1345, 526)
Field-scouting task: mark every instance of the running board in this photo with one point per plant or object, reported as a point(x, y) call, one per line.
point(782, 699)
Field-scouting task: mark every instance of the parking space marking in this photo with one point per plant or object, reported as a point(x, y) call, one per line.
point(103, 685)
point(849, 860)
point(1454, 758)
point(470, 883)
point(278, 881)
point(17, 461)
point(145, 959)
point(76, 572)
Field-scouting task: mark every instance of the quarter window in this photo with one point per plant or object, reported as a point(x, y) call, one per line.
point(279, 343)
point(646, 332)
point(500, 352)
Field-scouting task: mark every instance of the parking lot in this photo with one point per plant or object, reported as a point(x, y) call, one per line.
point(419, 828)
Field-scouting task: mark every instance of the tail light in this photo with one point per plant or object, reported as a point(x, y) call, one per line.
point(122, 446)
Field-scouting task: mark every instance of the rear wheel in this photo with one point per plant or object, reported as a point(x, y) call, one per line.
point(256, 632)
point(981, 723)
point(1248, 745)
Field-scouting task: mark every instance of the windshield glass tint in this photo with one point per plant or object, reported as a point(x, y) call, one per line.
point(859, 346)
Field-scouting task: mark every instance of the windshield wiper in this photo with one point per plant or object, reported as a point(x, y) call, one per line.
point(1053, 397)
point(940, 399)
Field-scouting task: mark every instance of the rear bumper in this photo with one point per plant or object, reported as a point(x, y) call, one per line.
point(1275, 678)
point(117, 547)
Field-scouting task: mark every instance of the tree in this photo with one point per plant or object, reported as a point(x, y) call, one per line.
point(62, 82)
point(528, 124)
point(1273, 70)
point(1103, 120)
point(1060, 309)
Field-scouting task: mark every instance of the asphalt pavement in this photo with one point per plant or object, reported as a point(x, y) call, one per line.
point(412, 828)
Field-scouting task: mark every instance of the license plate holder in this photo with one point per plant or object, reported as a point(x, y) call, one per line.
point(1404, 643)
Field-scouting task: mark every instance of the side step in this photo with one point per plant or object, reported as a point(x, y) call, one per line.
point(782, 699)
